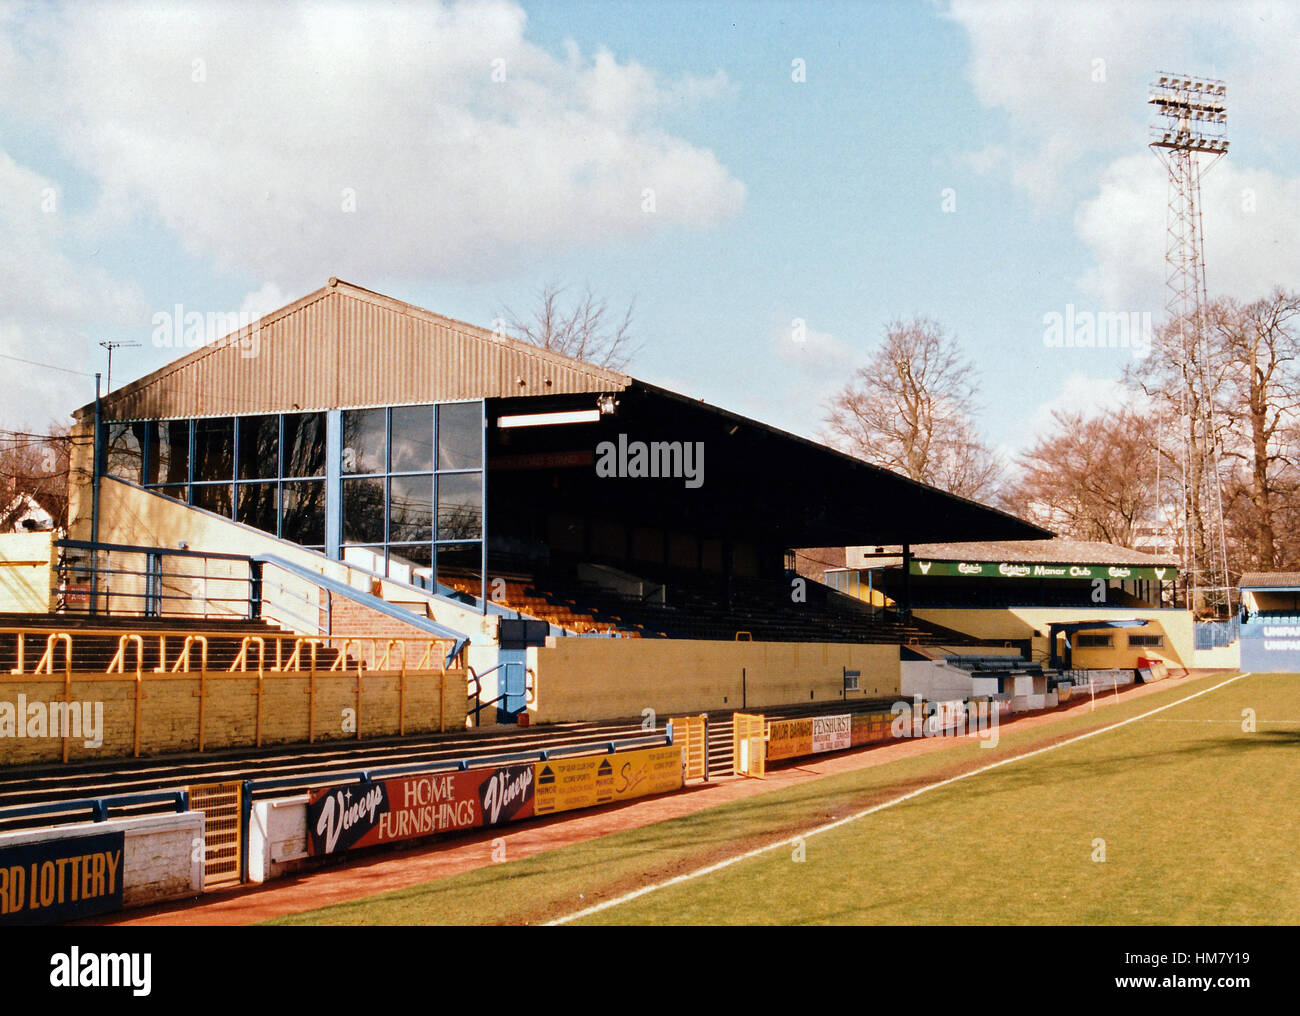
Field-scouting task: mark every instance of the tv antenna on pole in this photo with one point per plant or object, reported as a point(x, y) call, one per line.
point(110, 346)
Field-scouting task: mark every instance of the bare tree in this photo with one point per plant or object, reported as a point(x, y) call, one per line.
point(1260, 344)
point(1184, 377)
point(1241, 368)
point(1089, 478)
point(585, 330)
point(911, 409)
point(36, 465)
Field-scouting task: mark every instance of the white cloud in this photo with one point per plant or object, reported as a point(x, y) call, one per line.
point(1251, 224)
point(248, 131)
point(985, 160)
point(1059, 70)
point(1080, 393)
point(805, 348)
point(47, 371)
point(1071, 76)
point(1076, 132)
point(50, 299)
point(40, 280)
point(261, 302)
point(816, 363)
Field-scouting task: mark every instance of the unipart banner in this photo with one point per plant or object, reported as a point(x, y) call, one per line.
point(361, 815)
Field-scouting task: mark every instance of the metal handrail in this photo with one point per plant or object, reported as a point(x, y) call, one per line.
point(130, 548)
point(270, 645)
point(458, 639)
point(153, 599)
point(456, 765)
point(273, 605)
point(477, 678)
point(98, 806)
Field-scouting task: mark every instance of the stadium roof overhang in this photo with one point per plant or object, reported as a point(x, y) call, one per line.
point(750, 475)
point(1270, 582)
point(1055, 559)
point(344, 346)
point(1070, 627)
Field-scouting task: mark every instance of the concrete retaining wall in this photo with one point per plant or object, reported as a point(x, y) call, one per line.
point(581, 679)
point(162, 854)
point(277, 837)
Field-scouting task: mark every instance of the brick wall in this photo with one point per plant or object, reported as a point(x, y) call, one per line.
point(294, 708)
point(348, 617)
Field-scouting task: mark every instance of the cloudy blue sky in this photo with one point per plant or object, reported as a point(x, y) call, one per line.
point(983, 163)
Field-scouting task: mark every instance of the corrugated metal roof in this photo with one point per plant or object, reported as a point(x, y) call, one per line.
point(345, 346)
point(1269, 579)
point(1056, 551)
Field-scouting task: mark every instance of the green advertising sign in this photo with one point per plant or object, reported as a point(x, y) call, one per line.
point(1008, 570)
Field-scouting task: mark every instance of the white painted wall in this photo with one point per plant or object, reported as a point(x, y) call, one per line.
point(935, 681)
point(277, 837)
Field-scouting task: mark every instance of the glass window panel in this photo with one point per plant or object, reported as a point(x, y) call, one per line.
point(303, 512)
point(412, 439)
point(151, 452)
point(178, 492)
point(363, 441)
point(460, 435)
point(259, 447)
point(363, 511)
point(169, 451)
point(410, 508)
point(460, 506)
point(459, 566)
point(214, 449)
point(414, 555)
point(368, 558)
point(255, 506)
point(304, 444)
point(124, 451)
point(214, 497)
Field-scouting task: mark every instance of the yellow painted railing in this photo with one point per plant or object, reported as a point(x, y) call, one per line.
point(361, 659)
point(690, 733)
point(749, 744)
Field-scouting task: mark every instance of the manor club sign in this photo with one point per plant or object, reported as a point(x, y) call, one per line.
point(1008, 570)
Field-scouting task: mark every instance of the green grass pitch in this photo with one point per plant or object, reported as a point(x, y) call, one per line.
point(1183, 817)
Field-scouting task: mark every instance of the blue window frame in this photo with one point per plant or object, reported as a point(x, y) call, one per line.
point(408, 484)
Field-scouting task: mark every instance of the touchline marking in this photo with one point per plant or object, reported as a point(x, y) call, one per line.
point(758, 851)
point(1285, 723)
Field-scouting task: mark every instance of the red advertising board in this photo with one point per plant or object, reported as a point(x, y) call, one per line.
point(364, 814)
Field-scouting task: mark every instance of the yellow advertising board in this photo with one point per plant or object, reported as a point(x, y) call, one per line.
point(869, 728)
point(570, 783)
point(790, 738)
point(812, 735)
